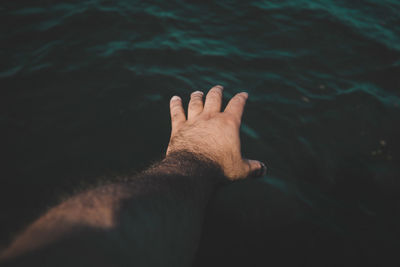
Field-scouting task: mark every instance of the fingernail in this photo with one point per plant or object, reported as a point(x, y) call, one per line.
point(261, 171)
point(245, 94)
point(175, 97)
point(197, 92)
point(220, 86)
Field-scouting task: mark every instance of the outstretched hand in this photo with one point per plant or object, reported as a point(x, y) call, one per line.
point(211, 133)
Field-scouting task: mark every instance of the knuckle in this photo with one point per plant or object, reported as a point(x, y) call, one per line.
point(174, 108)
point(206, 116)
point(174, 104)
point(215, 93)
point(195, 104)
point(175, 115)
point(240, 98)
point(196, 100)
point(247, 167)
point(231, 120)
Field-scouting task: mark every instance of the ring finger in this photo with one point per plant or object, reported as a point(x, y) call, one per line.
point(195, 104)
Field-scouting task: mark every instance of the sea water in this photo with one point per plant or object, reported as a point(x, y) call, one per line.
point(84, 92)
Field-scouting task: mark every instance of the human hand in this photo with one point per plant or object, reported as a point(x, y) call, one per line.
point(211, 133)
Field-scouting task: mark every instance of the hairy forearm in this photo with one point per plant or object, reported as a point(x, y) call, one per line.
point(152, 219)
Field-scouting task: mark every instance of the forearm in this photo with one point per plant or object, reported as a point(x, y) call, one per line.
point(152, 219)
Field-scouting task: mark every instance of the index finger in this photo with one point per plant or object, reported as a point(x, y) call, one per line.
point(236, 105)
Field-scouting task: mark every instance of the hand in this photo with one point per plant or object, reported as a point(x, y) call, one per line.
point(211, 133)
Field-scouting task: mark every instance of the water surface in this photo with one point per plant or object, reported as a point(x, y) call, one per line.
point(84, 91)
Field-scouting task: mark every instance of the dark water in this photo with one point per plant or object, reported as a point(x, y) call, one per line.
point(84, 91)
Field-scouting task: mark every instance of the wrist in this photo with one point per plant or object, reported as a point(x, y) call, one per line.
point(189, 164)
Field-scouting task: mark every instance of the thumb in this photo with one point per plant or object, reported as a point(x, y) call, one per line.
point(257, 168)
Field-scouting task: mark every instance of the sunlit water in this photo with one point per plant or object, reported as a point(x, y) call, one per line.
point(84, 91)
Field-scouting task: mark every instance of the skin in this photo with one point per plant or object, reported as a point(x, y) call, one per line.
point(212, 133)
point(154, 218)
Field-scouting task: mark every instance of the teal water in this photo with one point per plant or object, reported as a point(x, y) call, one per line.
point(84, 91)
